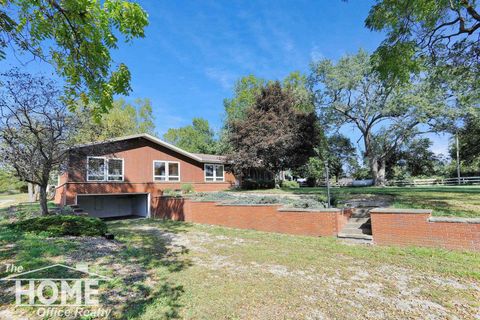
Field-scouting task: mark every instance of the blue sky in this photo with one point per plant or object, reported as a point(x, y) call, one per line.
point(195, 50)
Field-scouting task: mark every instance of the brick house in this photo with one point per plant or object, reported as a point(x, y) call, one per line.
point(126, 176)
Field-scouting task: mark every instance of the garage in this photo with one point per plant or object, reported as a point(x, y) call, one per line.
point(117, 205)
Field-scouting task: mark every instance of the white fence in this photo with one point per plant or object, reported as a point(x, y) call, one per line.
point(437, 181)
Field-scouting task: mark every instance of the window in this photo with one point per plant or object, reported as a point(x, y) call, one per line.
point(166, 171)
point(103, 169)
point(214, 172)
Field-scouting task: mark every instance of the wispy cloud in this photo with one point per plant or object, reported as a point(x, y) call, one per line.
point(316, 54)
point(223, 77)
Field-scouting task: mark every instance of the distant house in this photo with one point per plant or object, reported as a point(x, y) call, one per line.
point(126, 176)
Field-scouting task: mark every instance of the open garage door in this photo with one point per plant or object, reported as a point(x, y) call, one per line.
point(108, 206)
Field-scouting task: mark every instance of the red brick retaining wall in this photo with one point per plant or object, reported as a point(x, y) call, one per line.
point(271, 218)
point(417, 227)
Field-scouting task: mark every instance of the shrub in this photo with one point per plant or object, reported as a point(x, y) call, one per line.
point(187, 188)
point(311, 182)
point(62, 225)
point(308, 203)
point(290, 184)
point(249, 184)
point(256, 200)
point(171, 193)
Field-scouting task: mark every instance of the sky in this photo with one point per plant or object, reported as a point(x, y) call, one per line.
point(194, 51)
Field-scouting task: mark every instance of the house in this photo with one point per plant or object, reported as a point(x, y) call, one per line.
point(126, 176)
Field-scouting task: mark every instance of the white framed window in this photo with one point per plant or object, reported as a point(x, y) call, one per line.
point(166, 170)
point(104, 169)
point(214, 173)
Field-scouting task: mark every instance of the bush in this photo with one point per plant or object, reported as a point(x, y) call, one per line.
point(290, 184)
point(249, 184)
point(63, 225)
point(311, 182)
point(187, 188)
point(308, 203)
point(171, 193)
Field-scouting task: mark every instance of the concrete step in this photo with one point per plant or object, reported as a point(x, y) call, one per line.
point(74, 206)
point(343, 235)
point(357, 231)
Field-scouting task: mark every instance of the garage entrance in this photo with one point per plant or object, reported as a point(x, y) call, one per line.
point(114, 205)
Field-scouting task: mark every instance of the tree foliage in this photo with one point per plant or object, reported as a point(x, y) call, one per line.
point(273, 134)
point(413, 159)
point(197, 137)
point(76, 37)
point(386, 113)
point(35, 129)
point(469, 142)
point(123, 119)
point(439, 35)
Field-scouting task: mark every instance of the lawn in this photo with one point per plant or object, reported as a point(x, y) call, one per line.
point(460, 201)
point(165, 269)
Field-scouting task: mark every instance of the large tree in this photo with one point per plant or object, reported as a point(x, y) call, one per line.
point(385, 113)
point(35, 129)
point(415, 157)
point(197, 137)
point(469, 141)
point(125, 118)
point(438, 36)
point(76, 37)
point(272, 134)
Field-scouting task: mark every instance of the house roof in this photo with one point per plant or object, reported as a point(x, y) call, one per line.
point(204, 158)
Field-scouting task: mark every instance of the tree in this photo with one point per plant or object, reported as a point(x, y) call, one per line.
point(341, 154)
point(273, 135)
point(385, 112)
point(123, 119)
point(415, 157)
point(35, 129)
point(76, 38)
point(468, 137)
point(440, 37)
point(197, 137)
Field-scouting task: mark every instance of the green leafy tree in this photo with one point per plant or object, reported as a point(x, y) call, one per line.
point(469, 141)
point(123, 119)
point(341, 155)
point(76, 37)
point(438, 36)
point(386, 113)
point(414, 158)
point(273, 135)
point(197, 137)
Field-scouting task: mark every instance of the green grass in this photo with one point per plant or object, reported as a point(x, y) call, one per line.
point(165, 269)
point(460, 201)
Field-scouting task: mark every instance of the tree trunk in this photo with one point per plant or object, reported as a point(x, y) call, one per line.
point(378, 170)
point(31, 195)
point(380, 181)
point(43, 200)
point(276, 178)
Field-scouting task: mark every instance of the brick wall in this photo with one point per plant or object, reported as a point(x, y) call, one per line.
point(417, 227)
point(271, 218)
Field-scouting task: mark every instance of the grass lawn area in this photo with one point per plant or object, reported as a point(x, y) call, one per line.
point(165, 269)
point(460, 201)
point(9, 199)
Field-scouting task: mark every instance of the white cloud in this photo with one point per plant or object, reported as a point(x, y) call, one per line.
point(223, 77)
point(316, 54)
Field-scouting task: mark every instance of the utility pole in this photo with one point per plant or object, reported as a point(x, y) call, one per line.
point(458, 157)
point(327, 177)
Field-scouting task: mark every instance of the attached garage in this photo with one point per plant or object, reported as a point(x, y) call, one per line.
point(114, 205)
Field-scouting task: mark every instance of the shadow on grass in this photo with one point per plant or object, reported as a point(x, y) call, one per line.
point(151, 249)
